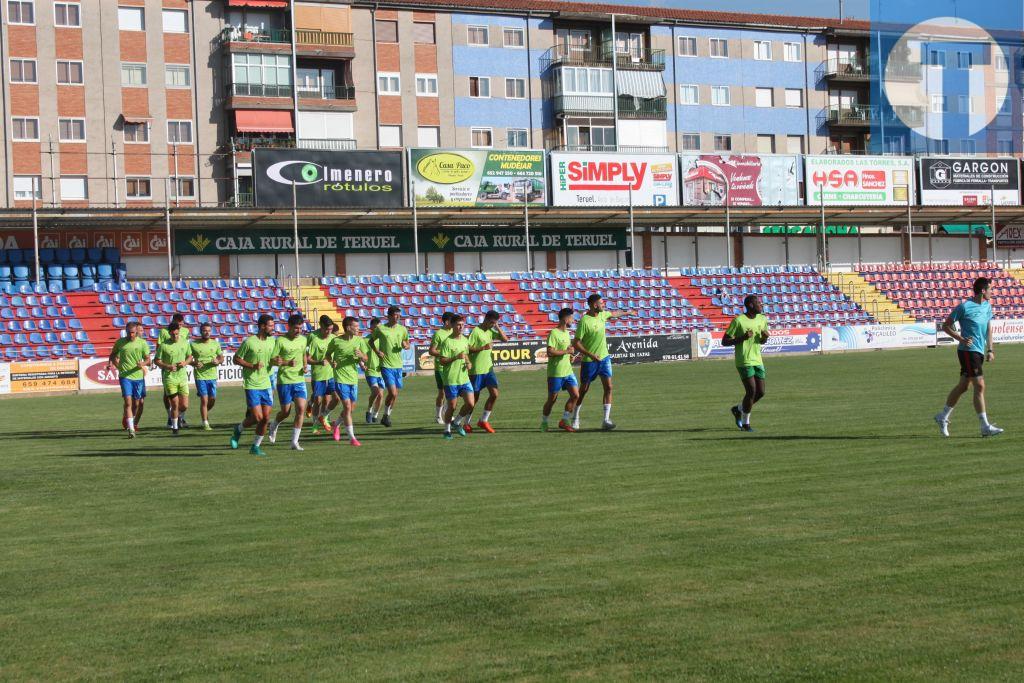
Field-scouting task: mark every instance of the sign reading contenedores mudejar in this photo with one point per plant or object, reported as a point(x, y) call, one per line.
point(327, 179)
point(970, 181)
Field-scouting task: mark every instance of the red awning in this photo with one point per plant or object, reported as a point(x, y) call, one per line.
point(258, 3)
point(263, 121)
point(128, 118)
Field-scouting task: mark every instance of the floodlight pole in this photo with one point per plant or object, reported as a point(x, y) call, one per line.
point(910, 230)
point(824, 243)
point(995, 238)
point(632, 234)
point(167, 225)
point(415, 226)
point(35, 225)
point(295, 229)
point(526, 226)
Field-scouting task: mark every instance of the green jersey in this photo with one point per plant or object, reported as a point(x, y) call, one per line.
point(164, 335)
point(346, 361)
point(205, 355)
point(128, 355)
point(316, 347)
point(439, 336)
point(559, 366)
point(389, 342)
point(373, 362)
point(481, 360)
point(173, 353)
point(291, 350)
point(748, 351)
point(591, 333)
point(455, 373)
point(256, 350)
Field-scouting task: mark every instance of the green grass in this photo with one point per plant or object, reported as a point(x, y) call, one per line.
point(844, 539)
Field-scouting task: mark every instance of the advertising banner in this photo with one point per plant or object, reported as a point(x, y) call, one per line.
point(327, 179)
point(969, 181)
point(854, 337)
point(478, 177)
point(93, 374)
point(130, 242)
point(1010, 236)
point(1004, 331)
point(5, 378)
point(742, 179)
point(41, 376)
point(782, 340)
point(650, 349)
point(859, 180)
point(608, 179)
point(505, 354)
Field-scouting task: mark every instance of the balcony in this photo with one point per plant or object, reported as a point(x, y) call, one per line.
point(635, 59)
point(258, 96)
point(312, 43)
point(864, 116)
point(632, 149)
point(603, 105)
point(253, 39)
point(846, 70)
point(245, 143)
point(328, 98)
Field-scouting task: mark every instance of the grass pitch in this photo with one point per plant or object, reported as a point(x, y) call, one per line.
point(844, 539)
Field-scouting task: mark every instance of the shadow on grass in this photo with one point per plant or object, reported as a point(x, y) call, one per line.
point(131, 454)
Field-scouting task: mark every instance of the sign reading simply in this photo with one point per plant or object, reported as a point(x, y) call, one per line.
point(612, 179)
point(327, 179)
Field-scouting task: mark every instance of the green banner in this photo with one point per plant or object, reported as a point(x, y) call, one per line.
point(478, 177)
point(316, 241)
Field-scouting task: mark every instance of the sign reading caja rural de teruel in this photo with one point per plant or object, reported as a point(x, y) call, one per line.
point(327, 179)
point(478, 177)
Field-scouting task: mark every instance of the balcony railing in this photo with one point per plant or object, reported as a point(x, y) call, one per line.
point(629, 107)
point(326, 38)
point(847, 68)
point(247, 142)
point(239, 34)
point(259, 90)
point(861, 115)
point(634, 149)
point(245, 200)
point(336, 92)
point(636, 58)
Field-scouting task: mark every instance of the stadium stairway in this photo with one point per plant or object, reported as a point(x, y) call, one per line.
point(1017, 274)
point(530, 310)
point(315, 302)
point(692, 293)
point(870, 298)
point(97, 324)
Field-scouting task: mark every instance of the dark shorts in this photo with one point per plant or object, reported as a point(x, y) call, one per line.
point(971, 363)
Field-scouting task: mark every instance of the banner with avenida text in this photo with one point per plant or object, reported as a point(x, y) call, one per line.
point(856, 337)
point(327, 179)
point(478, 177)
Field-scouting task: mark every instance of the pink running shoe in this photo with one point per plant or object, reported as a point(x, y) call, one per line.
point(337, 433)
point(354, 442)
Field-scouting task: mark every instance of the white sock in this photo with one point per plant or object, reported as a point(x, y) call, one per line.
point(174, 423)
point(566, 416)
point(448, 427)
point(544, 418)
point(387, 411)
point(168, 413)
point(351, 431)
point(486, 417)
point(984, 419)
point(240, 427)
point(182, 414)
point(576, 414)
point(440, 410)
point(131, 423)
point(258, 441)
point(296, 431)
point(467, 418)
point(946, 411)
point(273, 427)
point(607, 412)
point(745, 419)
point(458, 420)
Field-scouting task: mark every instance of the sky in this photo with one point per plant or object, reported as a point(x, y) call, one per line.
point(815, 8)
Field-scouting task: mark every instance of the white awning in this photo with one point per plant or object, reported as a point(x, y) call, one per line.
point(645, 85)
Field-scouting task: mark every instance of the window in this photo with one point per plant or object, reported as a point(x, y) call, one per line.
point(133, 75)
point(515, 88)
point(688, 94)
point(794, 97)
point(137, 188)
point(964, 60)
point(513, 37)
point(28, 187)
point(131, 19)
point(763, 50)
point(179, 132)
point(175, 21)
point(23, 71)
point(938, 146)
point(390, 136)
point(720, 95)
point(271, 74)
point(423, 32)
point(482, 137)
point(71, 130)
point(21, 12)
point(183, 188)
point(426, 85)
point(723, 143)
point(478, 35)
point(177, 76)
point(1001, 63)
point(69, 73)
point(1004, 146)
point(690, 142)
point(583, 81)
point(389, 83)
point(686, 46)
point(73, 187)
point(25, 129)
point(937, 58)
point(939, 105)
point(136, 131)
point(428, 136)
point(719, 48)
point(966, 104)
point(766, 144)
point(516, 137)
point(764, 97)
point(795, 144)
point(479, 86)
point(792, 52)
point(387, 31)
point(593, 138)
point(968, 146)
point(67, 14)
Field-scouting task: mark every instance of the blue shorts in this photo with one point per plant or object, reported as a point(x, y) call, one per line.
point(258, 397)
point(556, 384)
point(594, 369)
point(437, 378)
point(392, 377)
point(133, 388)
point(323, 387)
point(347, 392)
point(481, 382)
point(289, 392)
point(453, 391)
point(375, 381)
point(206, 387)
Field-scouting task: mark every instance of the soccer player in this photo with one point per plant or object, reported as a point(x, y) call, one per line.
point(179, 320)
point(130, 356)
point(746, 333)
point(480, 341)
point(253, 356)
point(439, 336)
point(975, 346)
point(373, 378)
point(348, 353)
point(172, 357)
point(290, 356)
point(560, 375)
point(207, 355)
point(455, 368)
point(321, 371)
point(592, 345)
point(388, 341)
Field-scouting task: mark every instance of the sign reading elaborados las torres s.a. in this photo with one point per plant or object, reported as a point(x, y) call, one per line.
point(859, 180)
point(478, 177)
point(327, 179)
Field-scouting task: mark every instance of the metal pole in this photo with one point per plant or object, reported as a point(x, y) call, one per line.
point(824, 244)
point(632, 234)
point(35, 225)
point(526, 225)
point(910, 231)
point(728, 231)
point(167, 223)
point(295, 228)
point(995, 238)
point(53, 189)
point(615, 85)
point(415, 228)
point(113, 160)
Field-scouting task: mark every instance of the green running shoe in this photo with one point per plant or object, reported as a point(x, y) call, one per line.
point(207, 427)
point(460, 431)
point(544, 425)
point(447, 436)
point(236, 436)
point(256, 450)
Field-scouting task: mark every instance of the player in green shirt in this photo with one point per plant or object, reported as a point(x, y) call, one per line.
point(439, 336)
point(172, 357)
point(388, 341)
point(207, 356)
point(592, 346)
point(480, 340)
point(321, 373)
point(348, 354)
point(561, 355)
point(253, 356)
point(746, 333)
point(373, 378)
point(163, 336)
point(455, 368)
point(130, 356)
point(290, 356)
